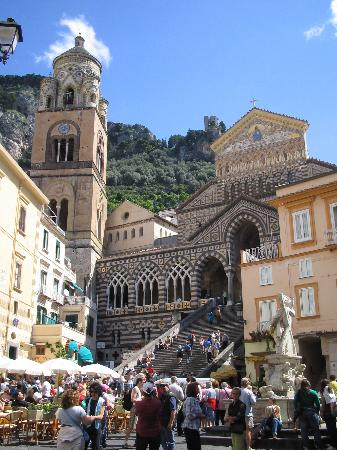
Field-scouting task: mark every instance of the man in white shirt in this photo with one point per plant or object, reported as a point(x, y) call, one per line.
point(46, 387)
point(176, 390)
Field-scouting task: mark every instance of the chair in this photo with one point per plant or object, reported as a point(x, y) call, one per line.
point(120, 418)
point(24, 416)
point(35, 423)
point(16, 425)
point(6, 428)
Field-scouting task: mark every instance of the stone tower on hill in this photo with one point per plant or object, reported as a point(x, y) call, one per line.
point(70, 153)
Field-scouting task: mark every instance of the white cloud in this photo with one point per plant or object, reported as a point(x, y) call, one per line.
point(314, 31)
point(333, 8)
point(75, 26)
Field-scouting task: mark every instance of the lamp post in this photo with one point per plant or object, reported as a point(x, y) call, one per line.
point(10, 35)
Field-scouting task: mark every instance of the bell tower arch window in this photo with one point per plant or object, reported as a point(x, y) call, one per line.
point(69, 97)
point(49, 102)
point(53, 210)
point(63, 218)
point(64, 149)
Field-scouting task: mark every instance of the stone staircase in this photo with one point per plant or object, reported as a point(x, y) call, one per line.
point(166, 360)
point(288, 439)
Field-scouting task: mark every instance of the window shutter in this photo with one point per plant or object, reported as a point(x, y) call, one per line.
point(273, 308)
point(269, 275)
point(334, 216)
point(297, 227)
point(261, 276)
point(311, 301)
point(305, 309)
point(301, 268)
point(308, 264)
point(306, 225)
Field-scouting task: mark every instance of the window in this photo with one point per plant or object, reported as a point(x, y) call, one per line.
point(117, 236)
point(53, 210)
point(305, 268)
point(45, 240)
point(133, 233)
point(72, 320)
point(68, 98)
point(56, 287)
point(22, 219)
point(49, 102)
point(141, 231)
point(90, 326)
point(93, 98)
point(178, 283)
point(15, 307)
point(265, 275)
point(110, 237)
point(41, 315)
point(267, 311)
point(125, 234)
point(307, 301)
point(301, 223)
point(161, 232)
point(147, 287)
point(118, 291)
point(333, 213)
point(18, 273)
point(43, 281)
point(63, 218)
point(40, 350)
point(58, 251)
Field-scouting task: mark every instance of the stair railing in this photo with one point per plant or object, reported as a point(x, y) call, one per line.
point(132, 360)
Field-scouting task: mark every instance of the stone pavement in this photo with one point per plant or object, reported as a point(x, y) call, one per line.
point(115, 442)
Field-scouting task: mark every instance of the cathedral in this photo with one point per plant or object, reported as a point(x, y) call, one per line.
point(145, 271)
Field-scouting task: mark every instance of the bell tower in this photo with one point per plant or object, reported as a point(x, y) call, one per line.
point(70, 152)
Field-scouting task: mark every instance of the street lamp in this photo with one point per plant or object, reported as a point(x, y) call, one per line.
point(10, 35)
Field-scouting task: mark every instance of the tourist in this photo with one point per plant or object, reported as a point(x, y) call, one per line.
point(222, 394)
point(94, 406)
point(328, 410)
point(71, 417)
point(210, 317)
point(168, 416)
point(46, 388)
point(193, 414)
point(224, 342)
point(136, 396)
point(20, 400)
point(210, 397)
point(148, 426)
point(209, 353)
point(161, 345)
point(249, 399)
point(30, 396)
point(236, 419)
point(218, 314)
point(180, 354)
point(333, 384)
point(188, 351)
point(273, 420)
point(307, 406)
point(201, 343)
point(6, 397)
point(215, 349)
point(176, 390)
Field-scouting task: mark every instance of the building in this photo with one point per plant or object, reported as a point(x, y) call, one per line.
point(22, 203)
point(62, 313)
point(69, 156)
point(303, 265)
point(130, 228)
point(142, 293)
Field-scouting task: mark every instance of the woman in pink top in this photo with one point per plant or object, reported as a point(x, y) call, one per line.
point(223, 394)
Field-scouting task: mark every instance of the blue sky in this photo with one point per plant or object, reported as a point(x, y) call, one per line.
point(174, 61)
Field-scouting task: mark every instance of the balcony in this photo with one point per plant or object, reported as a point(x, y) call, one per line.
point(269, 250)
point(331, 237)
point(80, 300)
point(56, 332)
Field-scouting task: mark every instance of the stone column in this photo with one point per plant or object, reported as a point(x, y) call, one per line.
point(230, 289)
point(58, 151)
point(67, 149)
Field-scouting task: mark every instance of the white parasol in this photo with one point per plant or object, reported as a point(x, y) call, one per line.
point(4, 361)
point(27, 366)
point(100, 370)
point(60, 366)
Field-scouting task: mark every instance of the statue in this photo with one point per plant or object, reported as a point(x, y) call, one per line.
point(280, 327)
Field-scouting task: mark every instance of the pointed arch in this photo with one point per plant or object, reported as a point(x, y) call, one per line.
point(118, 290)
point(147, 286)
point(178, 282)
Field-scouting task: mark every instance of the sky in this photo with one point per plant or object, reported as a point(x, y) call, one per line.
point(168, 63)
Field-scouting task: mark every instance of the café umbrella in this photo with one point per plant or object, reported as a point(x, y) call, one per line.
point(61, 366)
point(23, 366)
point(4, 361)
point(100, 370)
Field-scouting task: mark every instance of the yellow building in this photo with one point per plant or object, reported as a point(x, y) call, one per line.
point(303, 266)
point(22, 203)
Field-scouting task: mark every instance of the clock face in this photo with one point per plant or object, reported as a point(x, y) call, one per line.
point(63, 128)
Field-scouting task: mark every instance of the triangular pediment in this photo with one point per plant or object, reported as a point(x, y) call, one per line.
point(128, 212)
point(244, 208)
point(259, 128)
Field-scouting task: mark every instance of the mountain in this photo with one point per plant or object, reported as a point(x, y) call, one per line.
point(150, 172)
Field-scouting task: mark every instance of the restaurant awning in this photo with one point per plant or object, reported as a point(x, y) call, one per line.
point(76, 286)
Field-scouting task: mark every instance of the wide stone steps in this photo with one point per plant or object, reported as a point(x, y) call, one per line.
point(287, 439)
point(166, 360)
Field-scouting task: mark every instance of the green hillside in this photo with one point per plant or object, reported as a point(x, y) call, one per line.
point(150, 172)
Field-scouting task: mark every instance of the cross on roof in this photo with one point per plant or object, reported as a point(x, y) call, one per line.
point(253, 101)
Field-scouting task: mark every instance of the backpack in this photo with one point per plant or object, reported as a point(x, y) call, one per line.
point(127, 403)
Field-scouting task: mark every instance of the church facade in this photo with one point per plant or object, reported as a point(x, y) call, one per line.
point(141, 291)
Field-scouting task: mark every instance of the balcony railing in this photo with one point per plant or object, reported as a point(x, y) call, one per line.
point(331, 236)
point(80, 300)
point(269, 250)
point(263, 326)
point(47, 320)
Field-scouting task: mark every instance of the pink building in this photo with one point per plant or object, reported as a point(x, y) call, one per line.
point(304, 267)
